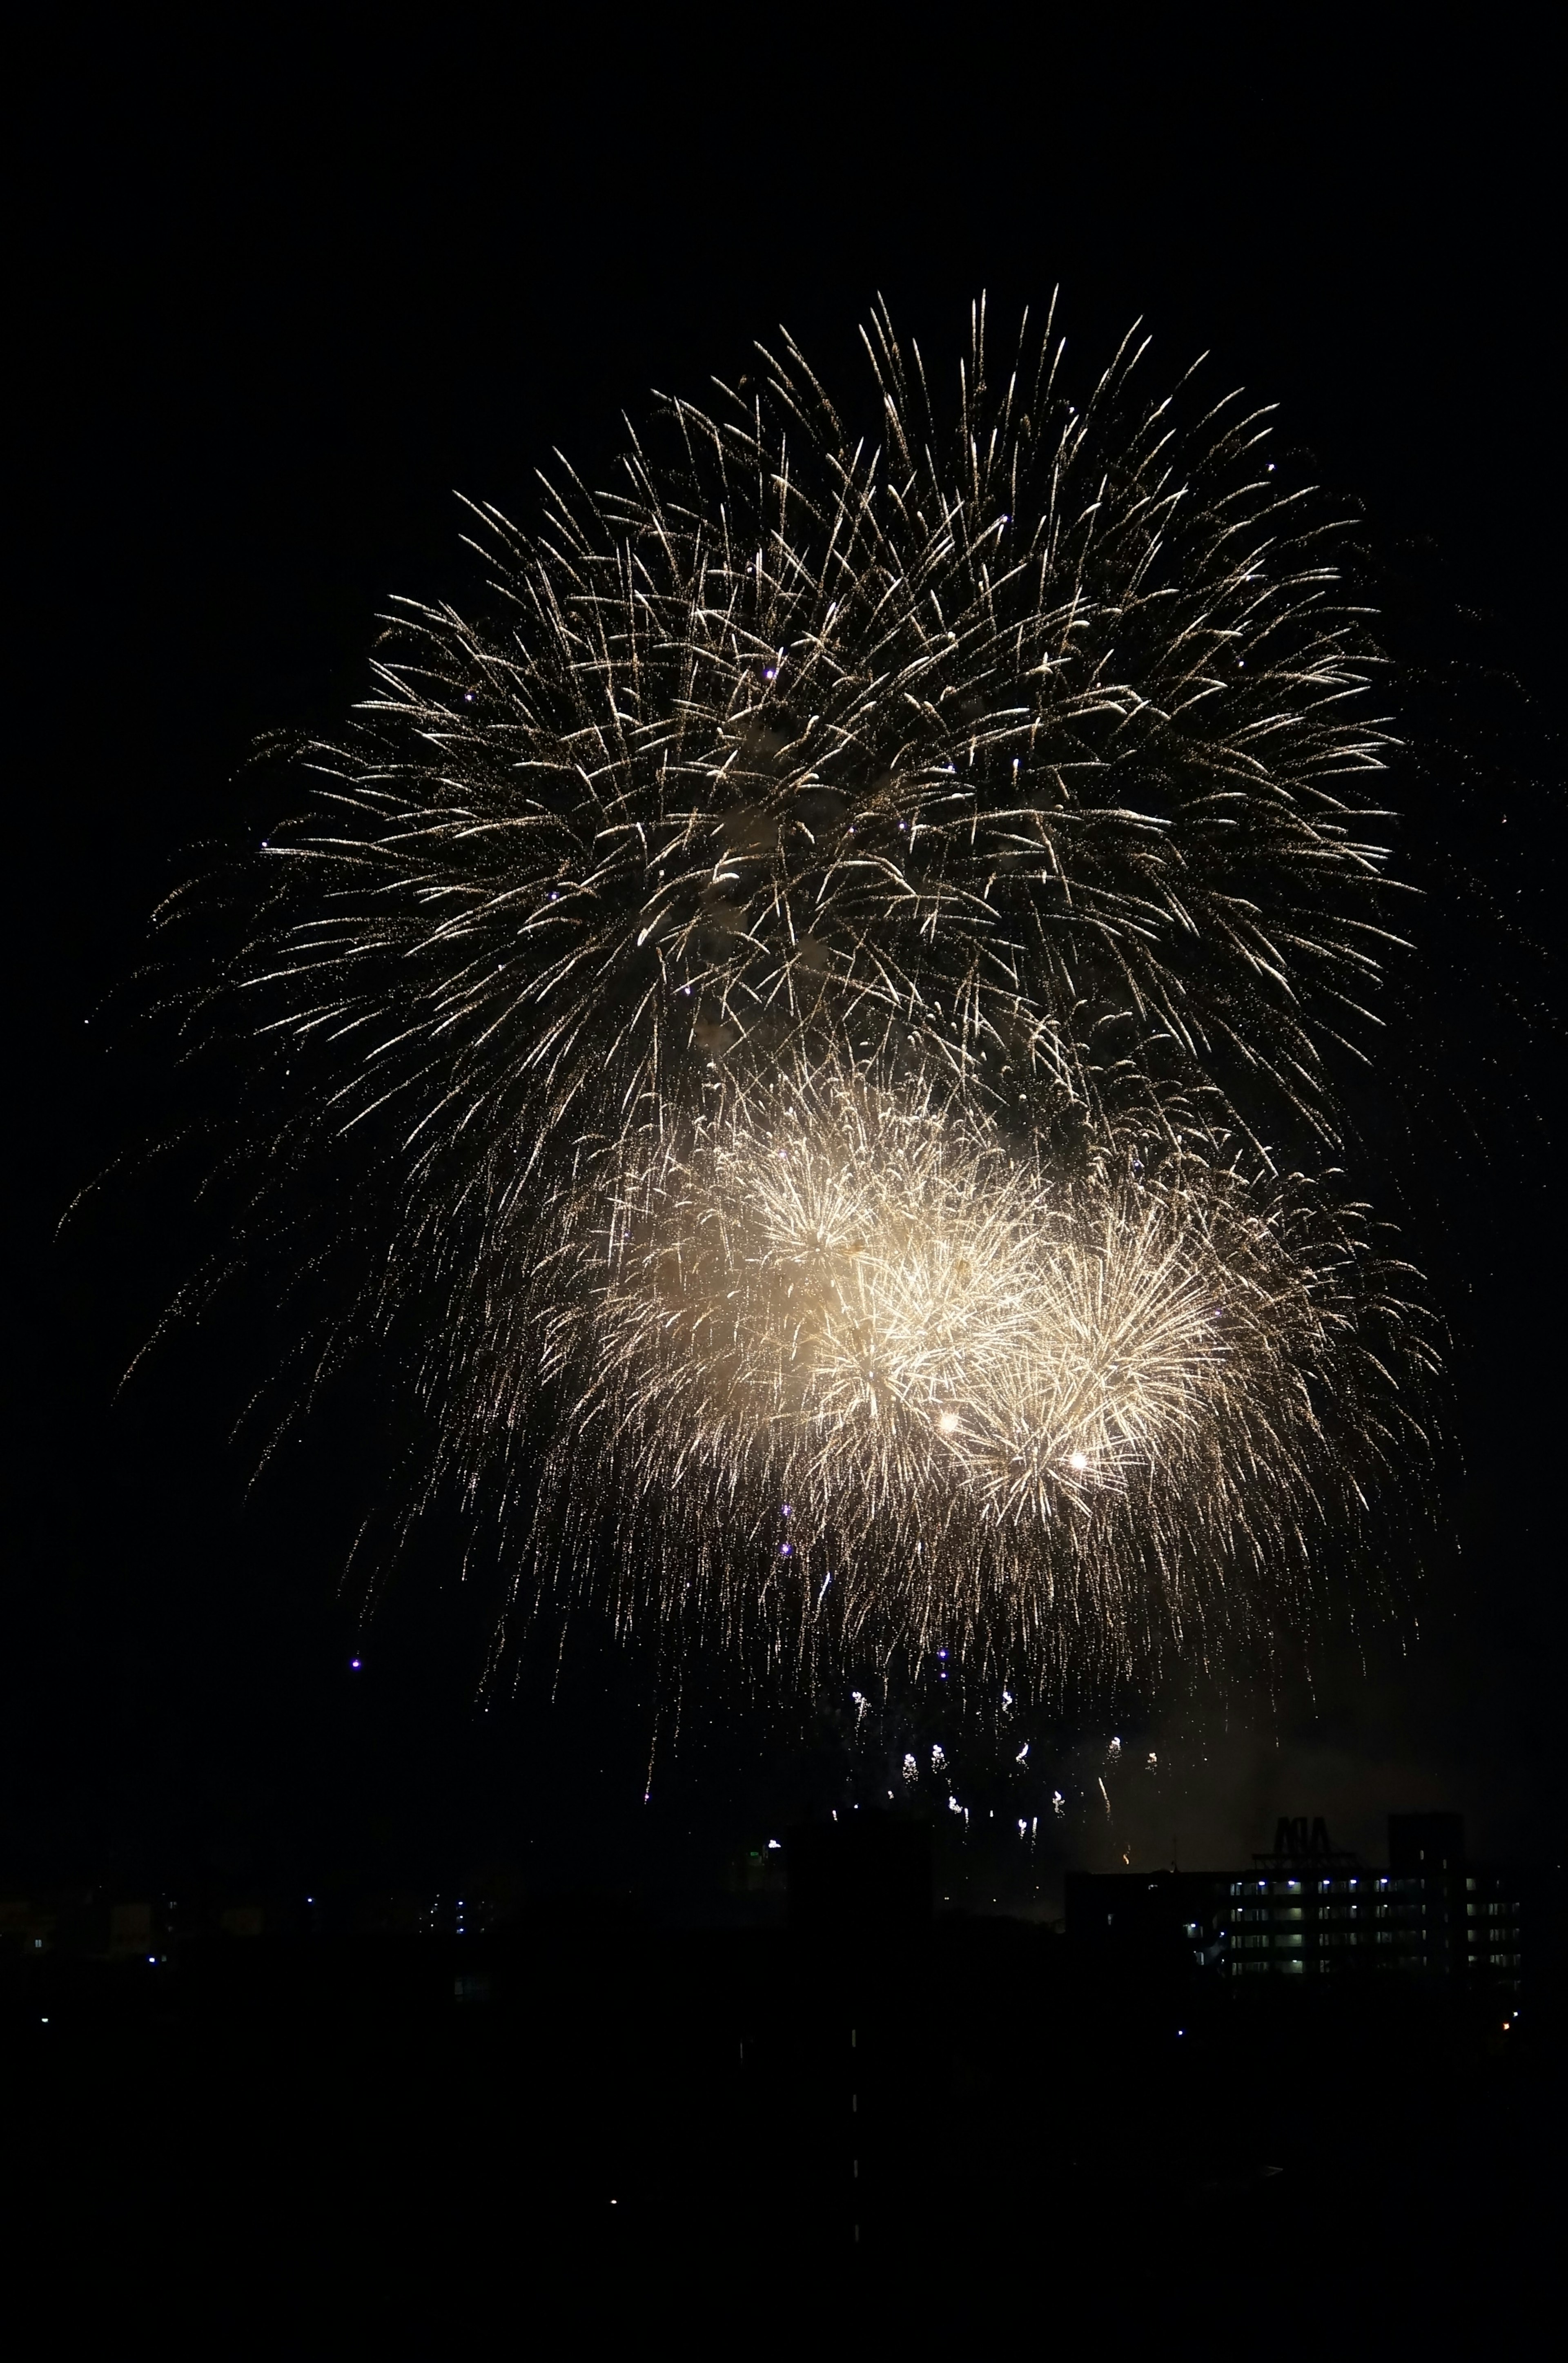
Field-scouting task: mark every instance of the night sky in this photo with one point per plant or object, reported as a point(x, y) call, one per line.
point(280, 300)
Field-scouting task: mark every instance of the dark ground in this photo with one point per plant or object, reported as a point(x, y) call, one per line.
point(589, 2121)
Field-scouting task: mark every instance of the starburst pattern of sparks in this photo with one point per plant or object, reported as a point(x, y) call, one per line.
point(849, 1328)
point(796, 1004)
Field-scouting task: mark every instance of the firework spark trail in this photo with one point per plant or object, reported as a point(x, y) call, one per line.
point(798, 1001)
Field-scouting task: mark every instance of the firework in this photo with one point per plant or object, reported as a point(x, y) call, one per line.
point(797, 999)
point(856, 1338)
point(1030, 752)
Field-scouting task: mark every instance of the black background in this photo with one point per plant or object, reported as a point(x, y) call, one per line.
point(282, 290)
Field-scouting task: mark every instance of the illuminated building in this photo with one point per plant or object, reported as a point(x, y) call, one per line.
point(1307, 1909)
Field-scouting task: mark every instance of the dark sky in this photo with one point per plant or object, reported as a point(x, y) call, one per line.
point(281, 295)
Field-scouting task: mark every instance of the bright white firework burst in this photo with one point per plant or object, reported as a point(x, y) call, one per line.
point(795, 1005)
point(1001, 1398)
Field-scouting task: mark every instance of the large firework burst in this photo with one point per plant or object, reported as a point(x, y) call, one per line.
point(857, 1340)
point(801, 995)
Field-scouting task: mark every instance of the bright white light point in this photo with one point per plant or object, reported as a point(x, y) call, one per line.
point(948, 1422)
point(1077, 1460)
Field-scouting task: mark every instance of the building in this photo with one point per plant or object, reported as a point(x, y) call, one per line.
point(1308, 1909)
